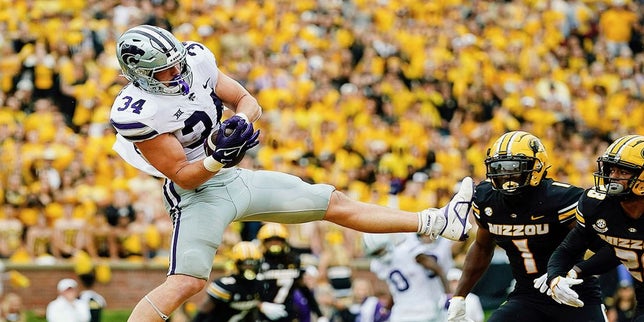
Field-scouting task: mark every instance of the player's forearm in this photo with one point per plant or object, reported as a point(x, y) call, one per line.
point(477, 261)
point(249, 106)
point(601, 262)
point(567, 254)
point(192, 176)
point(166, 154)
point(445, 282)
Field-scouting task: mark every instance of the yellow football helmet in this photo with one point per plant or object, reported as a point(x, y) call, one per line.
point(272, 230)
point(517, 159)
point(247, 258)
point(274, 239)
point(245, 250)
point(627, 154)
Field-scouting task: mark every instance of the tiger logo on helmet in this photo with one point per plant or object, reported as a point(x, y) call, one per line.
point(516, 160)
point(625, 154)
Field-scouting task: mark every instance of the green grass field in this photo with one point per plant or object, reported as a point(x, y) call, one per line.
point(121, 316)
point(108, 316)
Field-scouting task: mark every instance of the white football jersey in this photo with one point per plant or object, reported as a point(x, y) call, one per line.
point(416, 292)
point(138, 115)
point(441, 249)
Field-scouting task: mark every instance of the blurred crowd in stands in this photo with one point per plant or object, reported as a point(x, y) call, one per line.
point(391, 101)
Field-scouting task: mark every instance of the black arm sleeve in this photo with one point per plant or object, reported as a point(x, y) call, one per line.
point(200, 317)
point(601, 262)
point(565, 255)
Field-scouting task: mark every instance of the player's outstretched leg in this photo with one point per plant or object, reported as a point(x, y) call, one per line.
point(450, 221)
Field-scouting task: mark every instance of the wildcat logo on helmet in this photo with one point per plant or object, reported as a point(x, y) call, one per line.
point(131, 54)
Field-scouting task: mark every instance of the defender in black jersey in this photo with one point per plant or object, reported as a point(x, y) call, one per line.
point(609, 221)
point(282, 273)
point(527, 214)
point(236, 297)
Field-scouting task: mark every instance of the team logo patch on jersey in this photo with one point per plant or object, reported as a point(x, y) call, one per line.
point(600, 226)
point(632, 230)
point(488, 211)
point(178, 113)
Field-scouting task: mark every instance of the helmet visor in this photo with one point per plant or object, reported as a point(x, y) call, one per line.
point(509, 175)
point(500, 168)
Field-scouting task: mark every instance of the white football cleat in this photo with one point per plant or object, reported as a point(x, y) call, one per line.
point(450, 221)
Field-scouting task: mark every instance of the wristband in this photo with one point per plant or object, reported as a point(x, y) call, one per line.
point(212, 165)
point(244, 116)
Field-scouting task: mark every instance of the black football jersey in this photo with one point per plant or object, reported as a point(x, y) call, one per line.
point(603, 218)
point(529, 227)
point(235, 298)
point(281, 275)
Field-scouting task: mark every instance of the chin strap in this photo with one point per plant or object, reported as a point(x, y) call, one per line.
point(156, 309)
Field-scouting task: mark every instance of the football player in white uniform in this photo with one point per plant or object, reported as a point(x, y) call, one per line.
point(167, 114)
point(417, 289)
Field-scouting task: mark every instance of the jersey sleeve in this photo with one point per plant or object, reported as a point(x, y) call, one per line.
point(565, 255)
point(219, 290)
point(480, 220)
point(577, 242)
point(601, 262)
point(582, 206)
point(568, 199)
point(477, 213)
point(133, 114)
point(202, 61)
point(482, 194)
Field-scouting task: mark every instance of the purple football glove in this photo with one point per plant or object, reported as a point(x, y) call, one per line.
point(231, 140)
